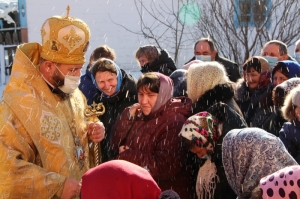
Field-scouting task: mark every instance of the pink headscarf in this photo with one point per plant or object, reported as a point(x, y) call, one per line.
point(284, 183)
point(165, 92)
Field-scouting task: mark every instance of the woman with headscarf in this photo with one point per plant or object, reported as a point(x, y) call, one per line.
point(275, 120)
point(203, 134)
point(255, 81)
point(116, 90)
point(146, 133)
point(282, 71)
point(248, 155)
point(208, 84)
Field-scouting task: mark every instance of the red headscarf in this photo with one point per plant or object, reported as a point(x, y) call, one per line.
point(119, 179)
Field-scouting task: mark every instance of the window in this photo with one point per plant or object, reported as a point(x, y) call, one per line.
point(250, 13)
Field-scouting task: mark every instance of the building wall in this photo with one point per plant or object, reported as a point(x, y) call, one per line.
point(97, 14)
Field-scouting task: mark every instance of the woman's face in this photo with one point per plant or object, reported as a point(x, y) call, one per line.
point(199, 151)
point(107, 82)
point(278, 78)
point(143, 60)
point(252, 79)
point(147, 99)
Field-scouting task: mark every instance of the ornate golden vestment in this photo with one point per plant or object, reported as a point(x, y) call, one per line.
point(36, 141)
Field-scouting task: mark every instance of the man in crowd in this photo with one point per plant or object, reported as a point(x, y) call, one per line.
point(204, 50)
point(275, 51)
point(44, 134)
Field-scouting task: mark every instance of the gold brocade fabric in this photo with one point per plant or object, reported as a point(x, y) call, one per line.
point(36, 142)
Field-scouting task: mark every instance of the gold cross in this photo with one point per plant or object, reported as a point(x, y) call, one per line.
point(94, 105)
point(68, 11)
point(72, 38)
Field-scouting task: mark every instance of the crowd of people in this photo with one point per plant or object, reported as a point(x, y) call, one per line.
point(204, 130)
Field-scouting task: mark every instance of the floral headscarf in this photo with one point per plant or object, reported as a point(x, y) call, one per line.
point(201, 129)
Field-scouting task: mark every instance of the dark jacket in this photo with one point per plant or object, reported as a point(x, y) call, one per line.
point(87, 86)
point(220, 93)
point(163, 64)
point(290, 136)
point(248, 101)
point(154, 143)
point(274, 122)
point(231, 120)
point(179, 80)
point(114, 106)
point(231, 67)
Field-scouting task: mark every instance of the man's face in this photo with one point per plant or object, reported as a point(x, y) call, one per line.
point(272, 50)
point(61, 70)
point(203, 48)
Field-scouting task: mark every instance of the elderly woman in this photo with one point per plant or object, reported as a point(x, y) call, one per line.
point(116, 90)
point(208, 84)
point(273, 121)
point(249, 89)
point(203, 134)
point(250, 154)
point(151, 59)
point(146, 134)
point(282, 71)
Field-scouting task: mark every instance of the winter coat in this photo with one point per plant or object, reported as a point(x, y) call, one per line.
point(163, 64)
point(179, 80)
point(114, 106)
point(248, 101)
point(290, 136)
point(273, 122)
point(87, 86)
point(154, 143)
point(231, 120)
point(231, 67)
point(220, 93)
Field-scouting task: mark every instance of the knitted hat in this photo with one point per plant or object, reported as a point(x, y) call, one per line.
point(65, 39)
point(204, 76)
point(296, 97)
point(284, 183)
point(258, 63)
point(201, 128)
point(119, 179)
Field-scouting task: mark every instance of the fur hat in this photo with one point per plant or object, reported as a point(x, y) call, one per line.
point(296, 97)
point(65, 39)
point(201, 129)
point(204, 76)
point(281, 90)
point(281, 184)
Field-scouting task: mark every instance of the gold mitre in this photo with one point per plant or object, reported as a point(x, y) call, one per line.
point(65, 39)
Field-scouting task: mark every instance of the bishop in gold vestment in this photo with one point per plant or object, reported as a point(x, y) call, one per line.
point(39, 130)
